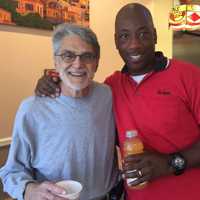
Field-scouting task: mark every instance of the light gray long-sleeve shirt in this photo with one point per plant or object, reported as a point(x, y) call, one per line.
point(63, 138)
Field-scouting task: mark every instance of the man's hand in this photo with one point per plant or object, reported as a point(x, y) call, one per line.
point(146, 166)
point(43, 191)
point(48, 86)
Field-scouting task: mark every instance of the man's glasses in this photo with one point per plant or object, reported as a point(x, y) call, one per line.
point(69, 57)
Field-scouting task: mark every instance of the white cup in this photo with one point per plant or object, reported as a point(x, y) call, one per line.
point(72, 189)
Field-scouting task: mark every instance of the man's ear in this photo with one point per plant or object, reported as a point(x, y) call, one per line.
point(116, 41)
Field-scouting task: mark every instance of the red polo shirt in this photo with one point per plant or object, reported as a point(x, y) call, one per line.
point(165, 109)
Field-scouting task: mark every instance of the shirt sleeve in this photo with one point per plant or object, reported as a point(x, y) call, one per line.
point(110, 79)
point(17, 171)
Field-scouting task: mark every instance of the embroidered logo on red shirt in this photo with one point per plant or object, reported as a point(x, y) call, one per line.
point(164, 92)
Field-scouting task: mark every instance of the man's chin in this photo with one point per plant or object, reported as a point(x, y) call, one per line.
point(135, 71)
point(76, 87)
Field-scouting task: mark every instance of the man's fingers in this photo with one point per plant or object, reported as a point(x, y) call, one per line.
point(133, 158)
point(37, 93)
point(48, 86)
point(127, 166)
point(60, 198)
point(44, 191)
point(45, 90)
point(131, 173)
point(138, 181)
point(137, 164)
point(55, 79)
point(51, 196)
point(137, 177)
point(44, 93)
point(53, 188)
point(52, 81)
point(48, 196)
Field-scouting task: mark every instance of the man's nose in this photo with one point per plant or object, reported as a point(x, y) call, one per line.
point(134, 42)
point(77, 62)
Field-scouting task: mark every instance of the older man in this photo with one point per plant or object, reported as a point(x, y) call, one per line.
point(71, 137)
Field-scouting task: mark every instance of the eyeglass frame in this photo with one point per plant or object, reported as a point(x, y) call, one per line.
point(81, 57)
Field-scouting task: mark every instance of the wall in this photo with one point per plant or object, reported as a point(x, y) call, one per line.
point(26, 52)
point(160, 12)
point(186, 47)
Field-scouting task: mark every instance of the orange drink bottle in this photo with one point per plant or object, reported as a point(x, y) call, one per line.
point(133, 145)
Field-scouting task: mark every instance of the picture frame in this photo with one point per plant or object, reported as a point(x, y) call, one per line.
point(44, 14)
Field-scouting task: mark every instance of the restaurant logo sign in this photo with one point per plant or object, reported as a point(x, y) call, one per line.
point(185, 17)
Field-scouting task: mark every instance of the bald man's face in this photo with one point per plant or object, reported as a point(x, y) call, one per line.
point(135, 39)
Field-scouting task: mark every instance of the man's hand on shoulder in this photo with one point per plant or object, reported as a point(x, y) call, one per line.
point(48, 85)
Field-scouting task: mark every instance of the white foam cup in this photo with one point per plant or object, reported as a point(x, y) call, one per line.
point(72, 189)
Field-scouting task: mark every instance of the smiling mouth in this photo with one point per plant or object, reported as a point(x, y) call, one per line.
point(77, 74)
point(135, 58)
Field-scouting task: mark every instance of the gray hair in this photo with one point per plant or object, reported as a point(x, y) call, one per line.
point(66, 29)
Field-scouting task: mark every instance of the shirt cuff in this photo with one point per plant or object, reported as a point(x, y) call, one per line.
point(22, 188)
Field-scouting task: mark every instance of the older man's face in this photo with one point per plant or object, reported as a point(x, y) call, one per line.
point(76, 62)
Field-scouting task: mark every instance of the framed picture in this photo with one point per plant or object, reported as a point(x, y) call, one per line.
point(185, 16)
point(44, 14)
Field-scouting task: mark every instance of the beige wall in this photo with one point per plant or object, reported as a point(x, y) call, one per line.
point(25, 53)
point(22, 58)
point(160, 10)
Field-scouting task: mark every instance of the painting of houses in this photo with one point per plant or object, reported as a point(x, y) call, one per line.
point(44, 14)
point(5, 17)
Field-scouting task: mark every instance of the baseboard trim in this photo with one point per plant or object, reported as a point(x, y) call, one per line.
point(5, 141)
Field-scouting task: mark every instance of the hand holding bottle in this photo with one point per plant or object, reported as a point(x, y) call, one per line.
point(132, 146)
point(141, 167)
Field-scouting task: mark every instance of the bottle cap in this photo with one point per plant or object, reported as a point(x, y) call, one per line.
point(131, 133)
